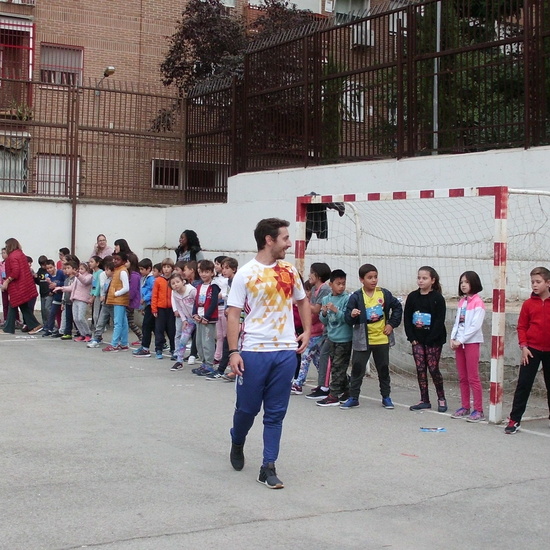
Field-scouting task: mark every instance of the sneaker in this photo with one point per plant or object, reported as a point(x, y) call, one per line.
point(122, 348)
point(268, 476)
point(420, 406)
point(512, 427)
point(141, 353)
point(229, 377)
point(442, 406)
point(92, 344)
point(158, 354)
point(463, 412)
point(57, 335)
point(196, 370)
point(205, 370)
point(165, 346)
point(236, 456)
point(24, 328)
point(110, 348)
point(296, 390)
point(344, 397)
point(329, 401)
point(176, 366)
point(67, 337)
point(36, 330)
point(387, 403)
point(46, 333)
point(476, 416)
point(79, 339)
point(214, 376)
point(135, 345)
point(350, 403)
point(87, 339)
point(173, 356)
point(191, 360)
point(317, 393)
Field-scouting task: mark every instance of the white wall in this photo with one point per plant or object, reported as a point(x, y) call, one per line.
point(43, 226)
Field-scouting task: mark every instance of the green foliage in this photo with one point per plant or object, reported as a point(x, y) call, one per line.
point(480, 102)
point(209, 41)
point(206, 42)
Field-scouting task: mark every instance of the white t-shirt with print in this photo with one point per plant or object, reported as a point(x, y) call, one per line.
point(265, 293)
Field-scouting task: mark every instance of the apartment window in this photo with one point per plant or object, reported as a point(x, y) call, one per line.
point(52, 175)
point(16, 39)
point(61, 65)
point(353, 104)
point(398, 16)
point(166, 174)
point(357, 7)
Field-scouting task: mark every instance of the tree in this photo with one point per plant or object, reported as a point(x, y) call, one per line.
point(208, 41)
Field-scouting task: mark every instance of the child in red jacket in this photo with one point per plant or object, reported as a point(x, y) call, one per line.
point(534, 341)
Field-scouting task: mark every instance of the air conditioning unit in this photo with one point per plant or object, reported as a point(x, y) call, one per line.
point(362, 35)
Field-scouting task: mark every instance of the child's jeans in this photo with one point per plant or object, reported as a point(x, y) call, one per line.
point(206, 343)
point(105, 314)
point(359, 360)
point(310, 355)
point(526, 378)
point(467, 365)
point(79, 315)
point(120, 332)
point(187, 329)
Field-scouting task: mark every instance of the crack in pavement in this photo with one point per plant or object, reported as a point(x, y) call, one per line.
point(309, 516)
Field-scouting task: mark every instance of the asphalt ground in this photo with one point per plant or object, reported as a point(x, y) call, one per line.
point(103, 450)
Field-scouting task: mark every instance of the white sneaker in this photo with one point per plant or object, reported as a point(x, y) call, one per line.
point(92, 344)
point(191, 360)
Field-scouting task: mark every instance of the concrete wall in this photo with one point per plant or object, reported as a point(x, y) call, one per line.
point(43, 227)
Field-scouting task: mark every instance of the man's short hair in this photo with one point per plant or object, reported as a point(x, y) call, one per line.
point(268, 227)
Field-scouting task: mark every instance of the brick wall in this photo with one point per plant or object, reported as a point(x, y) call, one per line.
point(128, 34)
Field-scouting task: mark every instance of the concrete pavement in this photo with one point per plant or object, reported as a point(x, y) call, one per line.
point(108, 451)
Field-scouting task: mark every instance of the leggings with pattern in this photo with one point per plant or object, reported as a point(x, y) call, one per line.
point(426, 359)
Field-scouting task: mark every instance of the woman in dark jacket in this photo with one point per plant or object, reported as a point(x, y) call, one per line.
point(21, 289)
point(189, 249)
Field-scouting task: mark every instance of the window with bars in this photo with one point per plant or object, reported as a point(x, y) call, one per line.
point(61, 65)
point(52, 174)
point(165, 174)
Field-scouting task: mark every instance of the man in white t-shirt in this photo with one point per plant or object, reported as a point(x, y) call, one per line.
point(265, 360)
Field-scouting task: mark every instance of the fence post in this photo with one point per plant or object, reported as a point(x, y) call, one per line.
point(72, 142)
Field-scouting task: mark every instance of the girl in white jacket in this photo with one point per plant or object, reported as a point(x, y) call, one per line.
point(466, 338)
point(183, 298)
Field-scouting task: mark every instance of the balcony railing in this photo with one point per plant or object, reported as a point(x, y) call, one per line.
point(23, 2)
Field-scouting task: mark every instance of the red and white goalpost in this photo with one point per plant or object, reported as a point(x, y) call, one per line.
point(453, 230)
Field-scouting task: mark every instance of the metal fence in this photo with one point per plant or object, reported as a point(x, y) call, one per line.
point(108, 142)
point(424, 78)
